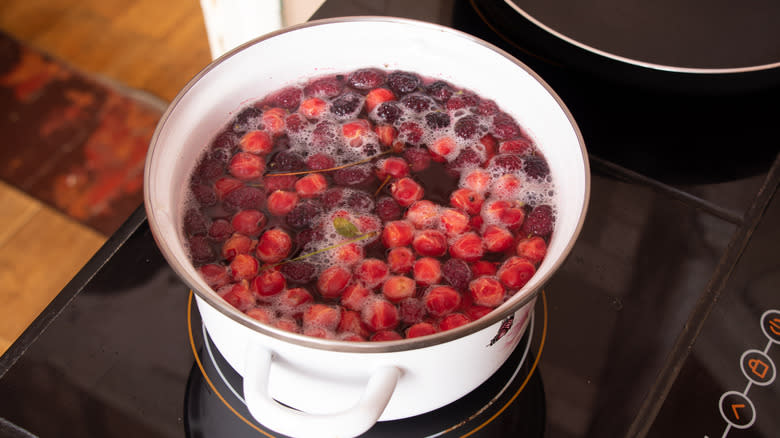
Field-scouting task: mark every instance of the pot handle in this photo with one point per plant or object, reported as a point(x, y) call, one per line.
point(348, 423)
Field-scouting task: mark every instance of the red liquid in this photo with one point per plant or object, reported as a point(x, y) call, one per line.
point(433, 207)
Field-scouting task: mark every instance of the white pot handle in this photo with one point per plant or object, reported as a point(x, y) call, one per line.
point(348, 423)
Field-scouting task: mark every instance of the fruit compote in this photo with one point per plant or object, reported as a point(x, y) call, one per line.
point(374, 205)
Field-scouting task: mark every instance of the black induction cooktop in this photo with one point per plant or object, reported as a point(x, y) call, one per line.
point(664, 320)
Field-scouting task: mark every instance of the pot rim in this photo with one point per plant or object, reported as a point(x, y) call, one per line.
point(637, 62)
point(503, 311)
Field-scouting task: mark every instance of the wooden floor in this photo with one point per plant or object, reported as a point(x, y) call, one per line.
point(150, 45)
point(155, 46)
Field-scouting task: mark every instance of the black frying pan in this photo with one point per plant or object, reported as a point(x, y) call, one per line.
point(642, 90)
point(691, 46)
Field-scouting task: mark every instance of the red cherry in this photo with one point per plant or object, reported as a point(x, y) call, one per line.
point(214, 275)
point(238, 295)
point(380, 315)
point(427, 271)
point(400, 260)
point(332, 281)
point(397, 233)
point(321, 316)
point(281, 202)
point(467, 247)
point(260, 314)
point(268, 283)
point(452, 321)
point(455, 222)
point(235, 245)
point(420, 329)
point(430, 243)
point(398, 287)
point(441, 300)
point(423, 214)
point(467, 200)
point(406, 191)
point(274, 245)
point(351, 323)
point(372, 272)
point(487, 291)
point(377, 96)
point(497, 239)
point(273, 120)
point(532, 248)
point(354, 296)
point(248, 222)
point(313, 107)
point(385, 335)
point(311, 185)
point(246, 166)
point(293, 301)
point(515, 272)
point(256, 142)
point(243, 267)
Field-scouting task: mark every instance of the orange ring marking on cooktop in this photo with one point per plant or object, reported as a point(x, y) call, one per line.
point(473, 431)
point(527, 378)
point(205, 376)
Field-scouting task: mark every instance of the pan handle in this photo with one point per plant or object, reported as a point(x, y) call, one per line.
point(348, 423)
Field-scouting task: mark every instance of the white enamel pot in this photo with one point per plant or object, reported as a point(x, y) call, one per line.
point(342, 388)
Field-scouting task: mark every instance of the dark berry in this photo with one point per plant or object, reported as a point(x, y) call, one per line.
point(403, 82)
point(487, 108)
point(389, 112)
point(324, 134)
point(201, 250)
point(222, 155)
point(353, 175)
point(286, 161)
point(332, 197)
point(226, 141)
point(325, 87)
point(437, 120)
point(210, 169)
point(282, 142)
point(366, 79)
point(536, 167)
point(295, 123)
point(346, 104)
point(441, 91)
point(298, 271)
point(360, 201)
point(468, 158)
point(418, 158)
point(539, 221)
point(195, 222)
point(288, 98)
point(302, 215)
point(411, 132)
point(467, 127)
point(220, 230)
point(204, 194)
point(388, 209)
point(507, 162)
point(320, 161)
point(306, 236)
point(505, 127)
point(244, 198)
point(457, 273)
point(417, 103)
point(246, 120)
point(463, 100)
